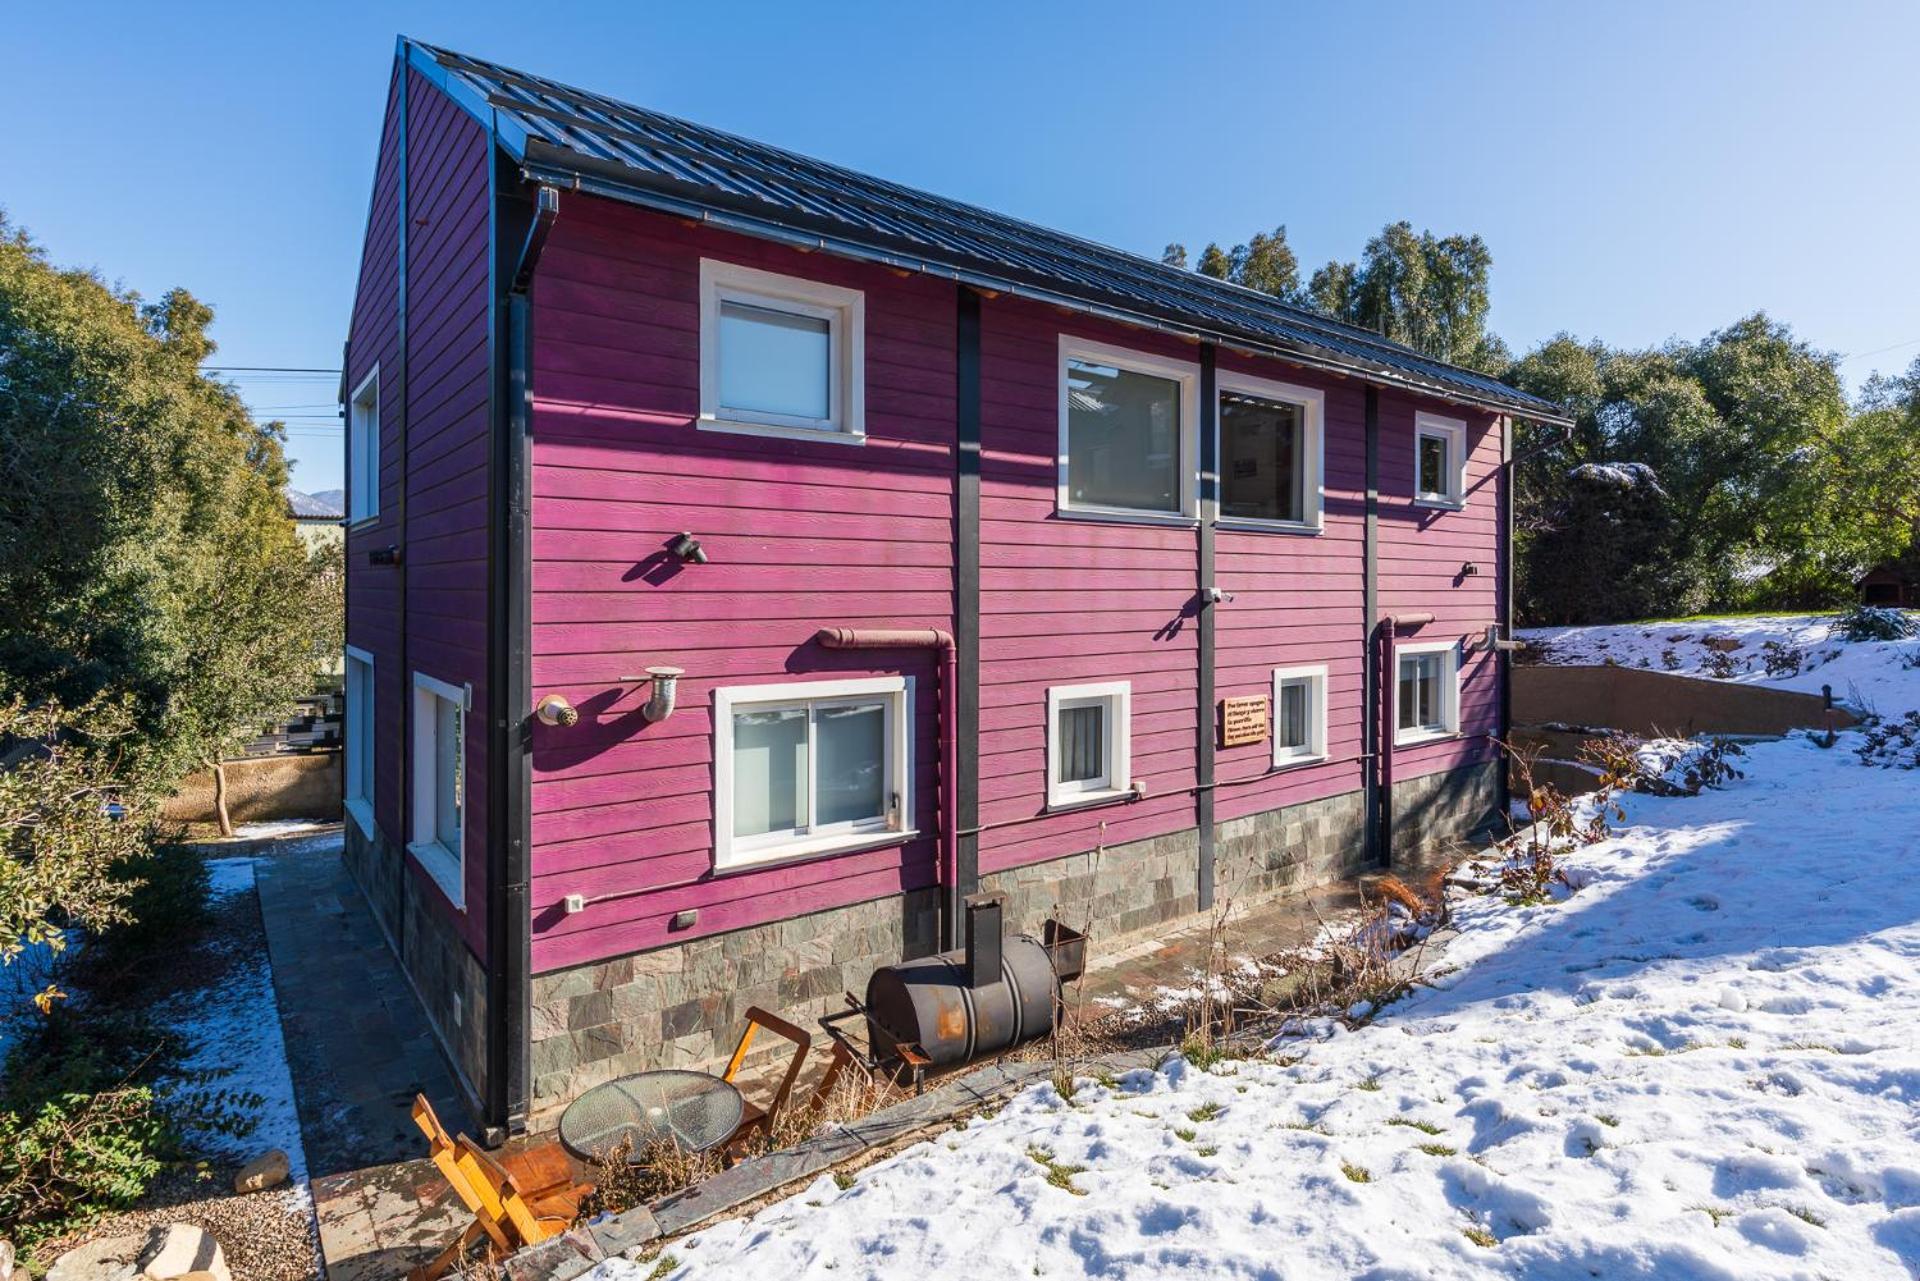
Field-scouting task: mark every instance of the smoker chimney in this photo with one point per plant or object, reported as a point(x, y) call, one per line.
point(984, 912)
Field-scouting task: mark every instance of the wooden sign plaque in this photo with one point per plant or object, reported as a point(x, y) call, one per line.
point(1243, 720)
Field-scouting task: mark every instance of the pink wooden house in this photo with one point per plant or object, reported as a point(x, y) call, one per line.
point(748, 558)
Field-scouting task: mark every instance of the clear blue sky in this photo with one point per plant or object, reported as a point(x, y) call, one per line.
point(1640, 171)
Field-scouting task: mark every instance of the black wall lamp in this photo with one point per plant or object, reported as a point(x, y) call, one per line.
point(688, 549)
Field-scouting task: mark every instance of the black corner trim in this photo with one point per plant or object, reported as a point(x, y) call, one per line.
point(966, 605)
point(1371, 677)
point(1209, 513)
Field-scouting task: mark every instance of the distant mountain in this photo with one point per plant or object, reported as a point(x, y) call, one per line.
point(328, 504)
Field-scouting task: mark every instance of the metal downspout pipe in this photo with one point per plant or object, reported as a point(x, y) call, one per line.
point(926, 638)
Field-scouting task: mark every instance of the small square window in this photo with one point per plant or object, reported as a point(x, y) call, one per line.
point(1270, 453)
point(780, 355)
point(1299, 715)
point(358, 733)
point(1088, 751)
point(1428, 693)
point(1439, 460)
point(440, 783)
point(803, 770)
point(1125, 422)
point(363, 449)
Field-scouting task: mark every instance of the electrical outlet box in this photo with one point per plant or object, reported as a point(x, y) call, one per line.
point(575, 903)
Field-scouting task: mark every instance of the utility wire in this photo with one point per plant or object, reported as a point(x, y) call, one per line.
point(269, 369)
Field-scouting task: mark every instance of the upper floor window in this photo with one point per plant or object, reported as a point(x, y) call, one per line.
point(811, 768)
point(1271, 444)
point(363, 449)
point(1439, 459)
point(1429, 691)
point(1126, 420)
point(780, 355)
point(1089, 747)
point(440, 782)
point(358, 763)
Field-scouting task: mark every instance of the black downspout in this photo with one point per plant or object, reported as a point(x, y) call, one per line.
point(966, 612)
point(1209, 511)
point(521, 221)
point(405, 754)
point(1370, 678)
point(1501, 656)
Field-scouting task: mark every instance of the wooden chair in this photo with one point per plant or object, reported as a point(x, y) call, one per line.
point(754, 1118)
point(527, 1191)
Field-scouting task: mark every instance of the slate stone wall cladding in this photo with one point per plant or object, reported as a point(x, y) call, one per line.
point(684, 1006)
point(448, 979)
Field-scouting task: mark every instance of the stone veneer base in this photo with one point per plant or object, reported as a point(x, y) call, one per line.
point(683, 1006)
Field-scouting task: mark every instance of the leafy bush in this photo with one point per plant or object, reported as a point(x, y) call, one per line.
point(167, 908)
point(1782, 659)
point(1876, 623)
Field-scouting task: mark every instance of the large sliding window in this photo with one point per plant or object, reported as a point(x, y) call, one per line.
point(1126, 422)
point(1270, 453)
point(810, 768)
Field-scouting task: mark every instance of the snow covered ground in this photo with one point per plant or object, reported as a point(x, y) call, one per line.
point(1702, 1063)
point(1867, 675)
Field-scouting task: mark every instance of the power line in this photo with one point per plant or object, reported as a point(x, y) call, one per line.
point(269, 369)
point(1856, 355)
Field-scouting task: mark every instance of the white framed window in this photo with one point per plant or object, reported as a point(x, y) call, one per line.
point(357, 764)
point(1299, 715)
point(1127, 424)
point(1428, 693)
point(781, 356)
point(811, 768)
point(363, 449)
point(1271, 447)
point(440, 782)
point(1439, 460)
point(1089, 743)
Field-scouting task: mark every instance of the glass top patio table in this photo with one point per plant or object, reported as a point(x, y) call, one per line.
point(694, 1109)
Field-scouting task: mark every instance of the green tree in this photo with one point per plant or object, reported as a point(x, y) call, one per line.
point(1429, 292)
point(1266, 263)
point(145, 550)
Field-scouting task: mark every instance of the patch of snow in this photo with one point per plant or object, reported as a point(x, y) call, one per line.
point(1700, 1064)
point(234, 1029)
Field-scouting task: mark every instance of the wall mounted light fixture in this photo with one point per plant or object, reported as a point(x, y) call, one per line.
point(688, 549)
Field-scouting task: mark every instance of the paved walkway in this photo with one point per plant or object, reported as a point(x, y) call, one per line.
point(359, 1049)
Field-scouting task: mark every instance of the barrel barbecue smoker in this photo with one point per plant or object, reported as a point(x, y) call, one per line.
point(993, 994)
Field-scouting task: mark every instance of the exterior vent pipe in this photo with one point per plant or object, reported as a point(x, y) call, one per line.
point(926, 638)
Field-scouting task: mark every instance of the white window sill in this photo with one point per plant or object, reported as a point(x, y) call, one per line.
point(361, 812)
point(1417, 738)
point(826, 435)
point(1439, 503)
point(1085, 800)
point(1255, 525)
point(800, 851)
point(357, 523)
point(1299, 762)
point(443, 866)
point(1122, 516)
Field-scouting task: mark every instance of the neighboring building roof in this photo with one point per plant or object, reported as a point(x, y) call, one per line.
point(575, 138)
point(314, 506)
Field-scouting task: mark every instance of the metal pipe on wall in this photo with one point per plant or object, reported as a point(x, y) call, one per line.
point(926, 638)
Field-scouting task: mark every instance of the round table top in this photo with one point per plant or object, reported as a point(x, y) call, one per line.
point(694, 1109)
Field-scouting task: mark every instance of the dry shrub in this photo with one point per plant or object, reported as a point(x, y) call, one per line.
point(621, 1183)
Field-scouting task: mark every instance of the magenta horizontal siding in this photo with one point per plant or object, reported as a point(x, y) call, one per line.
point(804, 534)
point(434, 451)
point(799, 535)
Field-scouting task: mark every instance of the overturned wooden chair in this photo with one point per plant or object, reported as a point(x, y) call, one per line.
point(754, 1118)
point(516, 1201)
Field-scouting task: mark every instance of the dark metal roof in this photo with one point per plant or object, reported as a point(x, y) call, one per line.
point(576, 138)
